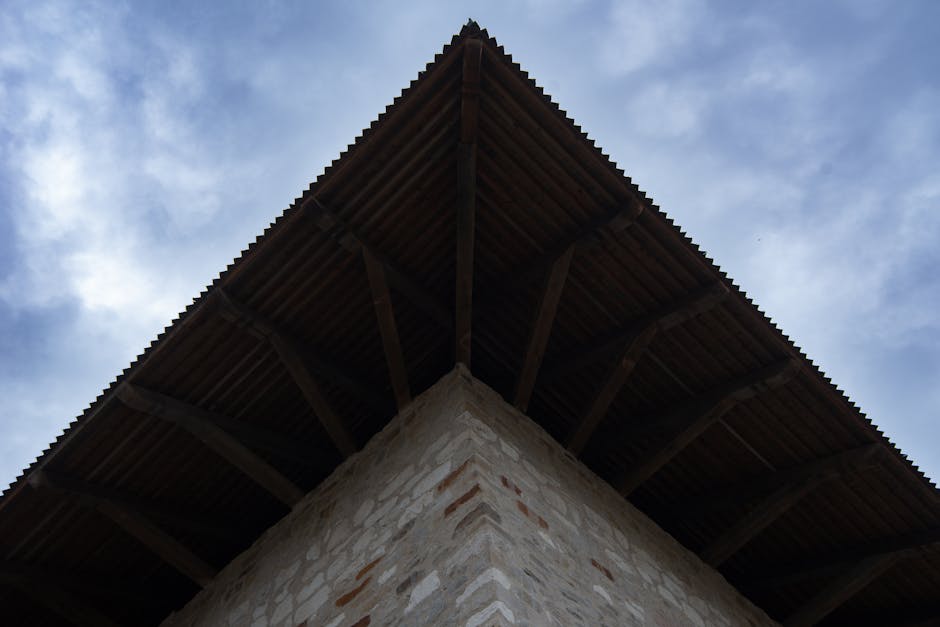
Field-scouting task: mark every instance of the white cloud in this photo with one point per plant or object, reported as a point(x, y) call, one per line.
point(912, 134)
point(668, 109)
point(639, 33)
point(93, 167)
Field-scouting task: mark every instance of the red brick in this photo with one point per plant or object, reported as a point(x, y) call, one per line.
point(450, 509)
point(530, 514)
point(509, 485)
point(449, 479)
point(602, 568)
point(362, 622)
point(349, 596)
point(367, 568)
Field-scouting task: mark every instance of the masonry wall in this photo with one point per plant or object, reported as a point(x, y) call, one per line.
point(462, 511)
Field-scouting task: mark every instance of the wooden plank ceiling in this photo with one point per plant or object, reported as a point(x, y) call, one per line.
point(473, 222)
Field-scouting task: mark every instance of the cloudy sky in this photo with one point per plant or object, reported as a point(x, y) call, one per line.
point(143, 145)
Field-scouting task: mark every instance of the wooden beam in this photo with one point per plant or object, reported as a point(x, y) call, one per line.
point(231, 529)
point(203, 426)
point(606, 346)
point(470, 91)
point(419, 296)
point(51, 596)
point(614, 381)
point(840, 590)
point(719, 550)
point(293, 359)
point(388, 330)
point(255, 324)
point(542, 328)
point(466, 198)
point(587, 237)
point(311, 390)
point(466, 208)
point(584, 238)
point(844, 463)
point(137, 525)
point(632, 345)
point(698, 415)
point(278, 445)
point(561, 142)
point(353, 383)
point(903, 547)
point(329, 222)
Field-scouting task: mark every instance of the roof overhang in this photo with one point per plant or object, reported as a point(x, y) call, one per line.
point(473, 222)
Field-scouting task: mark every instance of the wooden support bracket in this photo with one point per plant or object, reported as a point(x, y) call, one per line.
point(294, 360)
point(466, 197)
point(787, 494)
point(542, 328)
point(698, 415)
point(328, 221)
point(903, 547)
point(385, 315)
point(608, 345)
point(840, 590)
point(135, 524)
point(632, 344)
point(615, 221)
point(203, 426)
point(845, 463)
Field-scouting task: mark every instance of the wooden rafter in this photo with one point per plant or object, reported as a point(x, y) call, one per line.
point(614, 381)
point(53, 597)
point(903, 547)
point(293, 358)
point(584, 238)
point(261, 328)
point(135, 524)
point(632, 344)
point(610, 344)
point(529, 104)
point(759, 518)
point(276, 444)
point(850, 462)
point(328, 221)
point(841, 589)
point(787, 494)
point(542, 328)
point(203, 426)
point(229, 528)
point(698, 415)
point(466, 197)
point(385, 314)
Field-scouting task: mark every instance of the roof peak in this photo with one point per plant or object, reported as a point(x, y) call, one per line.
point(470, 28)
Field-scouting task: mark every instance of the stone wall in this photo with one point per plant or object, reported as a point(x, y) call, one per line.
point(463, 511)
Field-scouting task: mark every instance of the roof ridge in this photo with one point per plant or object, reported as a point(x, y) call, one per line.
point(470, 29)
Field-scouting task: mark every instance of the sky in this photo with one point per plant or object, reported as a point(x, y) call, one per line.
point(144, 145)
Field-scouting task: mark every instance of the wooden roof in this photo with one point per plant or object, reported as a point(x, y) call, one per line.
point(473, 221)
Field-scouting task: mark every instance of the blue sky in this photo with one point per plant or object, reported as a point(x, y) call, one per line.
point(143, 145)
